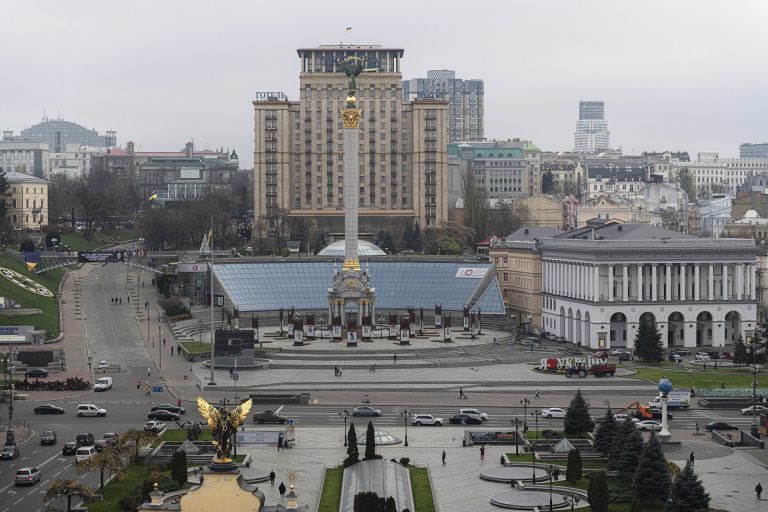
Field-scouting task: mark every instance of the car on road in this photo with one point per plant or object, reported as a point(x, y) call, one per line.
point(48, 437)
point(474, 413)
point(758, 409)
point(164, 415)
point(103, 365)
point(84, 453)
point(26, 476)
point(464, 419)
point(675, 358)
point(719, 425)
point(681, 351)
point(530, 342)
point(70, 448)
point(48, 409)
point(9, 452)
point(90, 410)
point(84, 439)
point(102, 384)
point(365, 410)
point(727, 355)
point(621, 417)
point(553, 412)
point(37, 372)
point(618, 351)
point(648, 425)
point(560, 339)
point(169, 407)
point(549, 336)
point(656, 413)
point(154, 426)
point(425, 419)
point(269, 417)
point(702, 356)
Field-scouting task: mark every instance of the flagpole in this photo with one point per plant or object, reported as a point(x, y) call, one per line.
point(213, 337)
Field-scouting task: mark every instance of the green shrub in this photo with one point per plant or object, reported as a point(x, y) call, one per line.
point(405, 461)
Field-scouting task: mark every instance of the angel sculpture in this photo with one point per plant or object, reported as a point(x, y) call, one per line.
point(223, 424)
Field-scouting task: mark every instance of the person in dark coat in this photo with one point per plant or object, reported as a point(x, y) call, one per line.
point(281, 488)
point(272, 477)
point(759, 491)
point(444, 459)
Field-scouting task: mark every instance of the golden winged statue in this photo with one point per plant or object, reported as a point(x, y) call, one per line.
point(223, 425)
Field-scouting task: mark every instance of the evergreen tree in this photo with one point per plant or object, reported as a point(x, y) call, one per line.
point(652, 478)
point(597, 493)
point(573, 471)
point(353, 455)
point(547, 183)
point(577, 419)
point(648, 345)
point(687, 493)
point(5, 193)
point(687, 182)
point(605, 433)
point(370, 443)
point(408, 236)
point(179, 467)
point(740, 355)
point(390, 505)
point(617, 445)
point(630, 455)
point(417, 238)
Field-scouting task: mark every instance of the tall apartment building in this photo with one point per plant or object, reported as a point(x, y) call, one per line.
point(749, 150)
point(402, 145)
point(592, 135)
point(465, 101)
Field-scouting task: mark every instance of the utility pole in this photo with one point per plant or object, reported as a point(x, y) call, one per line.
point(212, 381)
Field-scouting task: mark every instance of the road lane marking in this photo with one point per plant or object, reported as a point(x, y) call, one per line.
point(3, 489)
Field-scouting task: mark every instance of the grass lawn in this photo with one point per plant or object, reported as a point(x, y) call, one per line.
point(179, 434)
point(422, 491)
point(76, 242)
point(125, 234)
point(528, 457)
point(118, 489)
point(531, 435)
point(196, 347)
point(613, 483)
point(49, 318)
point(331, 496)
point(698, 379)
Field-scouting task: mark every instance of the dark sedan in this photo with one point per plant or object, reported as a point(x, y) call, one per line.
point(37, 372)
point(464, 419)
point(48, 409)
point(70, 448)
point(169, 407)
point(48, 437)
point(163, 415)
point(719, 425)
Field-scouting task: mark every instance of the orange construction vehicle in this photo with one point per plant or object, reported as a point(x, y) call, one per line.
point(638, 410)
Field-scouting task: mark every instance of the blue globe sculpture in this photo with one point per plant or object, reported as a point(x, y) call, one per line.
point(665, 386)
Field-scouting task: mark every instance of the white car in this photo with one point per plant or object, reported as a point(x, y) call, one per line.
point(621, 417)
point(90, 410)
point(154, 426)
point(553, 412)
point(702, 356)
point(648, 425)
point(103, 365)
point(759, 409)
point(26, 476)
point(619, 351)
point(474, 413)
point(425, 419)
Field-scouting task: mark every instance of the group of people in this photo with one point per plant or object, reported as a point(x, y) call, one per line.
point(337, 371)
point(280, 488)
point(118, 300)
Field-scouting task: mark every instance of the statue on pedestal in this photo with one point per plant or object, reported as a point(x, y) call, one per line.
point(223, 424)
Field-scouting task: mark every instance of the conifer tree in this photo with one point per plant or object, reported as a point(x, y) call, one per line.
point(740, 352)
point(687, 493)
point(577, 420)
point(630, 455)
point(652, 478)
point(617, 445)
point(370, 442)
point(597, 493)
point(353, 454)
point(573, 471)
point(648, 345)
point(605, 433)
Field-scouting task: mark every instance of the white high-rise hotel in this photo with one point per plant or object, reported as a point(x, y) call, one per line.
point(592, 135)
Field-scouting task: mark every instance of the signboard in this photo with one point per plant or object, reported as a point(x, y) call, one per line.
point(337, 332)
point(366, 331)
point(392, 330)
point(157, 389)
point(601, 340)
point(298, 336)
point(351, 336)
point(438, 321)
point(290, 329)
point(218, 300)
point(404, 336)
point(192, 267)
point(100, 257)
point(559, 363)
point(270, 95)
point(471, 272)
point(310, 330)
point(447, 334)
point(10, 329)
point(257, 437)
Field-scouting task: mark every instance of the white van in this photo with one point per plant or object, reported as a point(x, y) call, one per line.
point(90, 410)
point(474, 413)
point(84, 453)
point(102, 384)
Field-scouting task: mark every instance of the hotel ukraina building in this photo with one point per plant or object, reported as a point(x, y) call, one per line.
point(402, 146)
point(598, 283)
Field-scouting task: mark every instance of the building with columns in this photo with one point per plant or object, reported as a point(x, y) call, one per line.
point(598, 282)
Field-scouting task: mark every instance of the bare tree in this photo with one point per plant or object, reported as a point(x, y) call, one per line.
point(476, 205)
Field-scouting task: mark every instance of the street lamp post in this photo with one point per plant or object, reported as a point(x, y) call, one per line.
point(525, 403)
point(516, 423)
point(159, 340)
point(236, 377)
point(344, 414)
point(148, 308)
point(752, 343)
point(404, 413)
point(53, 241)
point(10, 436)
point(536, 413)
point(551, 476)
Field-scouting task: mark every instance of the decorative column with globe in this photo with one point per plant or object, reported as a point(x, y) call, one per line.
point(665, 386)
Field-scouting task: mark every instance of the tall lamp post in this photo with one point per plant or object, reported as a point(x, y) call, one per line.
point(405, 413)
point(236, 377)
point(10, 436)
point(344, 414)
point(160, 345)
point(516, 423)
point(536, 413)
point(551, 476)
point(525, 403)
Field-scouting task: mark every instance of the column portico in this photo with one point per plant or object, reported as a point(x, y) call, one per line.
point(696, 282)
point(610, 283)
point(682, 282)
point(668, 287)
point(711, 287)
point(654, 283)
point(726, 295)
point(640, 282)
point(625, 284)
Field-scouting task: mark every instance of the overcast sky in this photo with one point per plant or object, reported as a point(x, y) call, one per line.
point(686, 75)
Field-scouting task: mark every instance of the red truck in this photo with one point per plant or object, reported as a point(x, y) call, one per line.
point(598, 370)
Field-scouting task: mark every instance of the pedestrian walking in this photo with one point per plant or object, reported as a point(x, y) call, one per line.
point(394, 358)
point(279, 442)
point(444, 458)
point(461, 392)
point(146, 391)
point(121, 300)
point(341, 371)
point(281, 488)
point(138, 385)
point(178, 402)
point(482, 452)
point(759, 491)
point(113, 300)
point(537, 394)
point(698, 428)
point(691, 459)
point(149, 371)
point(272, 477)
point(171, 350)
point(163, 341)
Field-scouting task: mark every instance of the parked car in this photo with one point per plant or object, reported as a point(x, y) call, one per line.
point(474, 413)
point(48, 409)
point(70, 448)
point(26, 476)
point(48, 437)
point(164, 415)
point(759, 409)
point(169, 407)
point(464, 419)
point(84, 439)
point(425, 419)
point(37, 372)
point(621, 417)
point(9, 452)
point(560, 339)
point(713, 354)
point(601, 354)
point(648, 425)
point(549, 336)
point(365, 410)
point(553, 412)
point(618, 351)
point(111, 438)
point(675, 358)
point(625, 356)
point(681, 351)
point(702, 356)
point(103, 365)
point(656, 413)
point(719, 425)
point(154, 426)
point(90, 410)
point(269, 417)
point(727, 355)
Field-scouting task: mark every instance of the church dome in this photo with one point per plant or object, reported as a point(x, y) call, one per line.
point(336, 249)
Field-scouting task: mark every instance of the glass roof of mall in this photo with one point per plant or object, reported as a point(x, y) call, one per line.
point(398, 284)
point(363, 249)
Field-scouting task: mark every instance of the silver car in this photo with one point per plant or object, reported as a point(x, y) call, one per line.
point(365, 410)
point(425, 419)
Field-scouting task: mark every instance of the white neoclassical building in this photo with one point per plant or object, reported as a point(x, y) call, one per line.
point(598, 282)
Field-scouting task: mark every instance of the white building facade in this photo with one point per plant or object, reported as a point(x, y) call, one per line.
point(701, 292)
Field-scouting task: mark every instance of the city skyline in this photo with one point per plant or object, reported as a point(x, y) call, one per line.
point(691, 86)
